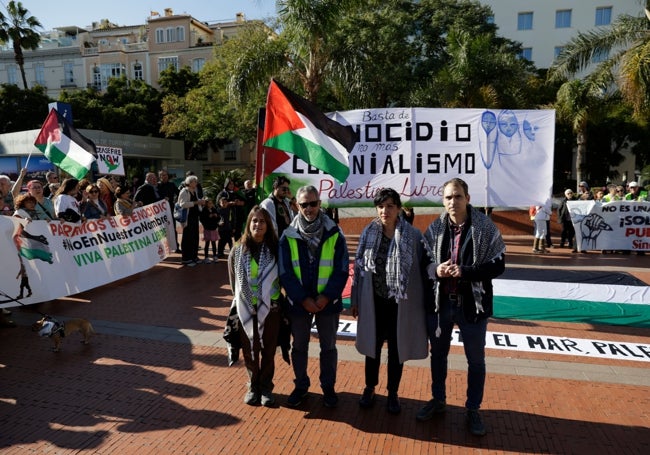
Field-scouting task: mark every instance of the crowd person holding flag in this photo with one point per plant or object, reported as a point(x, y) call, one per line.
point(44, 206)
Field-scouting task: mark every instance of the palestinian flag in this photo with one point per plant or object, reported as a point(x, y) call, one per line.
point(64, 146)
point(295, 125)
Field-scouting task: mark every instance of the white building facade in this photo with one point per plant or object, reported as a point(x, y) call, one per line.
point(545, 26)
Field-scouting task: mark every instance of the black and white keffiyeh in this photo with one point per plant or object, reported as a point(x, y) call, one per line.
point(267, 286)
point(487, 246)
point(400, 255)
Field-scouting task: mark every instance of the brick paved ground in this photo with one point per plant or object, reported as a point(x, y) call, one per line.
point(155, 380)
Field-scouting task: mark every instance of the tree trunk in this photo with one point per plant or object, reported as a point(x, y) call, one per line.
point(580, 155)
point(20, 60)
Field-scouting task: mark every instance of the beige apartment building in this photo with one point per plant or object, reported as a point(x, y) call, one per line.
point(73, 58)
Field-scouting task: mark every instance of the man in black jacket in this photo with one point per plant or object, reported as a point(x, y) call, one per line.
point(147, 193)
point(464, 253)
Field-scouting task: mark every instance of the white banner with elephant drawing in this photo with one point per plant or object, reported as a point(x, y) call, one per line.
point(505, 156)
point(45, 260)
point(619, 225)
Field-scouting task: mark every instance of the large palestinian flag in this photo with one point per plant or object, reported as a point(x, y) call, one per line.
point(295, 125)
point(64, 146)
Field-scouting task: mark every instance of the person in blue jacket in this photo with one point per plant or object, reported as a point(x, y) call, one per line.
point(314, 268)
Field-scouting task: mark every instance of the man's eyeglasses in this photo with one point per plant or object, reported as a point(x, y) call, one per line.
point(304, 205)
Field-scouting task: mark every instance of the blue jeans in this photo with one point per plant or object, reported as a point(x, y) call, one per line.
point(473, 338)
point(327, 326)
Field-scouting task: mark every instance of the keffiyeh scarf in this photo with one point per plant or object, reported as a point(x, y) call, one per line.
point(311, 233)
point(400, 255)
point(487, 246)
point(267, 285)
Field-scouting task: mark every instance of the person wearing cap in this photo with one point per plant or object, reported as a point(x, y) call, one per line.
point(583, 191)
point(564, 218)
point(636, 193)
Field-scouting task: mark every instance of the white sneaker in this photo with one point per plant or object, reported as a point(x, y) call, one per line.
point(191, 264)
point(207, 260)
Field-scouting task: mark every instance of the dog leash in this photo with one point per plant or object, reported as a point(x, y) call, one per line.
point(11, 299)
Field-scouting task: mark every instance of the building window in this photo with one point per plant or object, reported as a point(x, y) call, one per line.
point(138, 74)
point(160, 35)
point(527, 53)
point(557, 51)
point(525, 21)
point(39, 71)
point(97, 78)
point(230, 155)
point(563, 18)
point(171, 35)
point(180, 33)
point(68, 73)
point(198, 64)
point(166, 62)
point(604, 15)
point(12, 75)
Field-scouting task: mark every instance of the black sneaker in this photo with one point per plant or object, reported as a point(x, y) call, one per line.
point(367, 399)
point(475, 423)
point(430, 409)
point(296, 397)
point(330, 399)
point(392, 405)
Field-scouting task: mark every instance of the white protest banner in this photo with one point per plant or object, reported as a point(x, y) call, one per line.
point(540, 344)
point(110, 160)
point(505, 156)
point(618, 225)
point(45, 260)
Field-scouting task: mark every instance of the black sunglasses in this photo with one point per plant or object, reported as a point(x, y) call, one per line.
point(304, 205)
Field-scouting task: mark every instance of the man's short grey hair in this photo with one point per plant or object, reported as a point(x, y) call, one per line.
point(191, 178)
point(307, 189)
point(5, 178)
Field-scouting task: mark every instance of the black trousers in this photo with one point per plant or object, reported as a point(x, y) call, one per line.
point(260, 360)
point(386, 330)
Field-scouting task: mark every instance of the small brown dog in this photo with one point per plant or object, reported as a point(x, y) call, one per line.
point(49, 327)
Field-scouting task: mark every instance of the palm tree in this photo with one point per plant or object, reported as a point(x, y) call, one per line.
point(18, 28)
point(626, 43)
point(302, 52)
point(579, 102)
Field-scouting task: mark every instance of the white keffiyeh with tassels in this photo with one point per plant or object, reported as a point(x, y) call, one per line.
point(267, 286)
point(400, 255)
